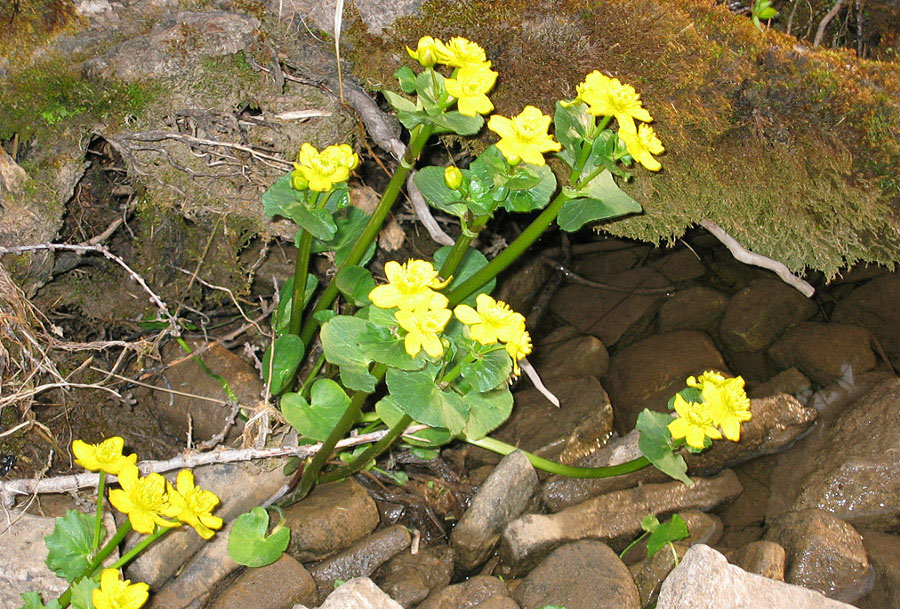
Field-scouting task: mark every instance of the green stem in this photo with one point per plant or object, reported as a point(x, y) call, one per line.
point(461, 246)
point(140, 547)
point(98, 526)
point(373, 452)
point(98, 559)
point(306, 387)
point(563, 470)
point(347, 420)
point(418, 138)
point(298, 295)
point(633, 543)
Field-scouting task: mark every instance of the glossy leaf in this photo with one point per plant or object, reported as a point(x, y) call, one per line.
point(385, 347)
point(571, 125)
point(488, 370)
point(83, 593)
point(487, 411)
point(407, 79)
point(33, 600)
point(602, 200)
point(355, 283)
point(430, 181)
point(418, 396)
point(316, 419)
point(250, 545)
point(289, 351)
point(282, 200)
point(340, 342)
point(350, 225)
point(690, 394)
point(399, 103)
point(664, 533)
point(655, 444)
point(390, 413)
point(70, 545)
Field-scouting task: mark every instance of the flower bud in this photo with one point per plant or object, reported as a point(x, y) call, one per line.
point(453, 177)
point(298, 180)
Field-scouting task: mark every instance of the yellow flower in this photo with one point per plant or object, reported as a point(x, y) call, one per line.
point(694, 423)
point(143, 499)
point(729, 406)
point(411, 286)
point(470, 87)
point(194, 504)
point(462, 53)
point(114, 593)
point(493, 321)
point(524, 137)
point(607, 96)
point(518, 347)
point(710, 376)
point(322, 170)
point(453, 177)
point(643, 145)
point(422, 327)
point(106, 456)
point(428, 51)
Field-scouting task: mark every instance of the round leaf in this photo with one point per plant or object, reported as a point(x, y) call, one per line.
point(248, 543)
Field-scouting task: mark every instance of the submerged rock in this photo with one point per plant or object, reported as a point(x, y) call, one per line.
point(650, 573)
point(884, 554)
point(822, 350)
point(760, 313)
point(358, 593)
point(765, 558)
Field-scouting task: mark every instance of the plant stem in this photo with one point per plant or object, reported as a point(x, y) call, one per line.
point(98, 559)
point(298, 295)
point(633, 543)
point(418, 138)
point(373, 452)
point(133, 552)
point(461, 246)
point(563, 470)
point(101, 490)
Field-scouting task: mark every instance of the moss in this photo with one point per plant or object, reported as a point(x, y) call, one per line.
point(29, 23)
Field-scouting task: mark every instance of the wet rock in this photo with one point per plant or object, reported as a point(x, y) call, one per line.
point(761, 312)
point(695, 308)
point(647, 373)
point(765, 558)
point(884, 554)
point(409, 578)
point(790, 381)
point(520, 288)
point(239, 486)
point(362, 559)
point(358, 593)
point(705, 580)
point(583, 420)
point(614, 517)
point(581, 575)
point(821, 350)
point(174, 42)
point(579, 356)
point(823, 553)
point(874, 305)
point(744, 518)
point(333, 517)
point(681, 265)
point(777, 421)
point(285, 582)
point(466, 595)
point(510, 490)
point(702, 528)
point(650, 573)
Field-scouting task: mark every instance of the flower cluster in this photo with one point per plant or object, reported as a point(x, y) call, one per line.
point(725, 405)
point(319, 171)
point(492, 321)
point(524, 137)
point(607, 96)
point(472, 78)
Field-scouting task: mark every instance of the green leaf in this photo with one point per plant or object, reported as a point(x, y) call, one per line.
point(282, 200)
point(601, 199)
point(322, 316)
point(418, 396)
point(71, 544)
point(407, 79)
point(358, 378)
point(286, 300)
point(318, 419)
point(487, 411)
point(248, 543)
point(472, 262)
point(82, 593)
point(457, 123)
point(355, 283)
point(380, 317)
point(399, 103)
point(33, 601)
point(390, 413)
point(535, 197)
point(350, 225)
point(655, 444)
point(281, 195)
point(488, 370)
point(425, 454)
point(385, 347)
point(340, 342)
point(317, 222)
point(572, 125)
point(289, 351)
point(665, 533)
point(431, 92)
point(430, 181)
point(690, 394)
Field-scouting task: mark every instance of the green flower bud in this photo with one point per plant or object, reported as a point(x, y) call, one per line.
point(453, 178)
point(299, 181)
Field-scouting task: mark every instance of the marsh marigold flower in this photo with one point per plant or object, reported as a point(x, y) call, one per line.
point(694, 423)
point(114, 593)
point(492, 321)
point(423, 328)
point(607, 96)
point(194, 504)
point(428, 51)
point(106, 456)
point(524, 137)
point(322, 170)
point(470, 88)
point(643, 145)
point(728, 403)
point(518, 347)
point(144, 500)
point(460, 52)
point(410, 286)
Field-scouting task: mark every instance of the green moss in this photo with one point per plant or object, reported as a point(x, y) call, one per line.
point(29, 23)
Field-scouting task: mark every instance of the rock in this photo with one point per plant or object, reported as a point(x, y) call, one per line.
point(647, 373)
point(580, 575)
point(510, 490)
point(23, 554)
point(285, 582)
point(765, 558)
point(466, 595)
point(650, 573)
point(165, 50)
point(358, 593)
point(705, 580)
point(790, 381)
point(409, 578)
point(744, 518)
point(523, 284)
point(702, 528)
point(884, 554)
point(362, 559)
point(333, 517)
point(565, 434)
point(873, 305)
point(579, 356)
point(12, 176)
point(777, 421)
point(821, 350)
point(695, 308)
point(614, 517)
point(823, 553)
point(761, 312)
point(679, 266)
point(375, 14)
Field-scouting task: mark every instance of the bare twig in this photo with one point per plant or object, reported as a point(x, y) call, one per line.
point(421, 207)
point(820, 32)
point(746, 256)
point(48, 386)
point(158, 136)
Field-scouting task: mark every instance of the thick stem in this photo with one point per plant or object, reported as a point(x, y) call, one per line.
point(456, 255)
point(107, 549)
point(563, 470)
point(373, 452)
point(133, 552)
point(298, 295)
point(98, 525)
point(418, 138)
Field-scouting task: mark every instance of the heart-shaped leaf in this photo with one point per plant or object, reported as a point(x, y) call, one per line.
point(316, 420)
point(249, 544)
